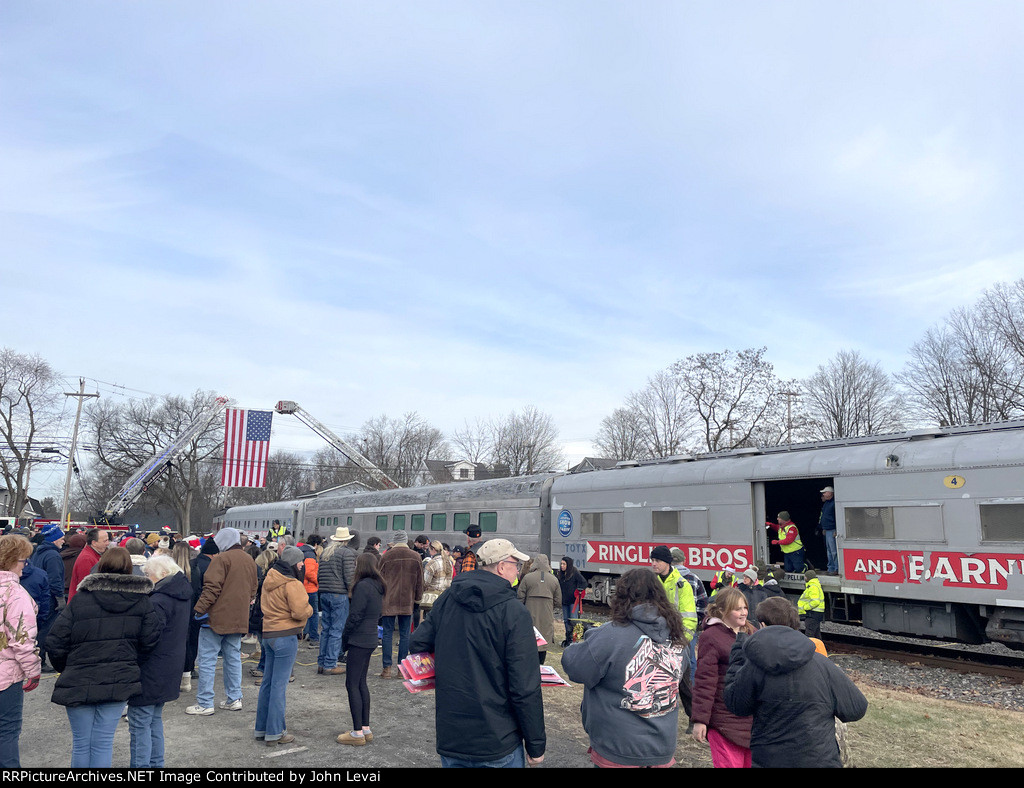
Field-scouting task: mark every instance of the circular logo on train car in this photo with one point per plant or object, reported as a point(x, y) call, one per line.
point(565, 522)
point(954, 482)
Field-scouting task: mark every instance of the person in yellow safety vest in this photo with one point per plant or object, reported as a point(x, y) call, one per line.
point(811, 605)
point(276, 532)
point(724, 579)
point(680, 596)
point(789, 541)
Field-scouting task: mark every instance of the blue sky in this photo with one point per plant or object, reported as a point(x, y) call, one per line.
point(465, 208)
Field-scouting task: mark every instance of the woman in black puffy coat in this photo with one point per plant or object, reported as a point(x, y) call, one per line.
point(359, 640)
point(96, 644)
point(161, 667)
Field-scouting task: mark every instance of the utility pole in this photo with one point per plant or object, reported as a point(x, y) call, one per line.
point(71, 455)
point(789, 413)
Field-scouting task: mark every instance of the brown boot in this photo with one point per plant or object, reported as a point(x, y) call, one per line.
point(386, 673)
point(336, 671)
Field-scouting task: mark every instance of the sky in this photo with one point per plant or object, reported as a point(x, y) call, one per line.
point(462, 209)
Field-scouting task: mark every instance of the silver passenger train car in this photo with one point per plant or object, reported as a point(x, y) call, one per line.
point(930, 524)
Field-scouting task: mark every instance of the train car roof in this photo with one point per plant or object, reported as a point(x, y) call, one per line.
point(919, 450)
point(437, 493)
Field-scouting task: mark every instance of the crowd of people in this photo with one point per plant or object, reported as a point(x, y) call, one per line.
point(128, 625)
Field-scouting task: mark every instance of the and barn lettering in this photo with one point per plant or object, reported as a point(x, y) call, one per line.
point(953, 570)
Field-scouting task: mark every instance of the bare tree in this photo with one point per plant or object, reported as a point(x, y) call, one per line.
point(733, 395)
point(473, 441)
point(964, 372)
point(526, 442)
point(622, 436)
point(400, 447)
point(129, 434)
point(661, 412)
point(849, 397)
point(29, 395)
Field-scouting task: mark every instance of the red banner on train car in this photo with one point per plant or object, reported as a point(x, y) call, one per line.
point(953, 570)
point(698, 556)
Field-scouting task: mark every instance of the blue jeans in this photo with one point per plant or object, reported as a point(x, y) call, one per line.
point(263, 654)
point(312, 630)
point(92, 734)
point(281, 654)
point(230, 647)
point(832, 550)
point(794, 562)
point(334, 614)
point(146, 724)
point(514, 760)
point(566, 615)
point(12, 701)
point(404, 622)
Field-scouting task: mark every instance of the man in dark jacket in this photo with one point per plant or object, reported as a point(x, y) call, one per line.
point(488, 700)
point(403, 578)
point(47, 557)
point(229, 587)
point(794, 693)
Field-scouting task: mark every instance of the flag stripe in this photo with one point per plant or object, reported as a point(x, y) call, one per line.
point(246, 447)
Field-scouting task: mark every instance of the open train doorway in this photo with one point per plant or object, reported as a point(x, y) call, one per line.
point(802, 499)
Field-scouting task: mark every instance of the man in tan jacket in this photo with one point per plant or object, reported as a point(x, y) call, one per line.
point(402, 571)
point(229, 588)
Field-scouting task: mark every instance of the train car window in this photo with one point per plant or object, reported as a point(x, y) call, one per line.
point(488, 521)
point(417, 521)
point(349, 522)
point(869, 522)
point(591, 523)
point(1002, 522)
point(438, 521)
point(919, 523)
point(382, 522)
point(398, 522)
point(462, 521)
point(665, 523)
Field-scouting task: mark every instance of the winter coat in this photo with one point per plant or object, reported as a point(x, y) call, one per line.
point(793, 693)
point(488, 699)
point(403, 576)
point(436, 576)
point(97, 640)
point(69, 554)
point(18, 659)
point(86, 560)
point(47, 557)
point(361, 625)
point(285, 604)
point(312, 564)
point(256, 610)
point(229, 586)
point(709, 685)
point(35, 581)
point(162, 667)
point(540, 591)
point(631, 679)
point(337, 569)
point(569, 583)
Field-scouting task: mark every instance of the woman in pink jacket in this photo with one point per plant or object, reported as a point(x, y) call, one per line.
point(19, 661)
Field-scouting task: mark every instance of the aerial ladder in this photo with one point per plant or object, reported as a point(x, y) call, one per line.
point(346, 448)
point(143, 478)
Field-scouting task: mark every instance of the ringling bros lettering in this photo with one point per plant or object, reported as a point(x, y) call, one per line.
point(952, 570)
point(698, 556)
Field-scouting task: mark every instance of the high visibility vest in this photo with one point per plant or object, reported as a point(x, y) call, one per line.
point(796, 544)
point(813, 598)
point(277, 533)
point(680, 596)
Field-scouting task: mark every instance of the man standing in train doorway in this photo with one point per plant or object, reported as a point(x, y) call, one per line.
point(827, 524)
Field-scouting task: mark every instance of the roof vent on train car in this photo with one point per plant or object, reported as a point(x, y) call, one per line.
point(627, 464)
point(679, 458)
point(748, 451)
point(922, 435)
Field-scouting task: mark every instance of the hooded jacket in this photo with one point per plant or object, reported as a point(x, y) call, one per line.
point(631, 679)
point(18, 659)
point(709, 684)
point(361, 625)
point(162, 667)
point(285, 603)
point(540, 592)
point(97, 640)
point(793, 693)
point(229, 586)
point(488, 697)
point(46, 556)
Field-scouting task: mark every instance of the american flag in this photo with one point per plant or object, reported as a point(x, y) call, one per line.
point(246, 446)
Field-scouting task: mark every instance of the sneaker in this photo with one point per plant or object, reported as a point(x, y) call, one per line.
point(348, 738)
point(200, 710)
point(234, 705)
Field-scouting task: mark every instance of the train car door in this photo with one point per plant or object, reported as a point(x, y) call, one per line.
point(801, 498)
point(759, 534)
